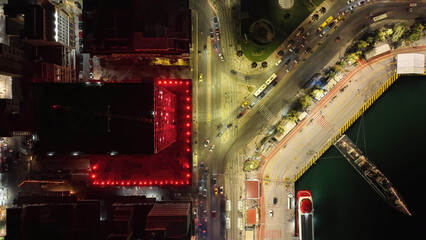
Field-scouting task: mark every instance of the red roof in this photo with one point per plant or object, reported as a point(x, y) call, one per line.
point(251, 216)
point(306, 206)
point(252, 189)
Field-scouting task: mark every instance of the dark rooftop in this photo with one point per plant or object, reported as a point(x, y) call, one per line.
point(94, 119)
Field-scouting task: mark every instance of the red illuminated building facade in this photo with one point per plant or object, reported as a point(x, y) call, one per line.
point(134, 133)
point(170, 166)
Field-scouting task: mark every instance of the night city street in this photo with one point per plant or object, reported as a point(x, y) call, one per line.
point(198, 119)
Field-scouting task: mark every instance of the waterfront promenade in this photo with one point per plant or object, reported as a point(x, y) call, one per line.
point(331, 116)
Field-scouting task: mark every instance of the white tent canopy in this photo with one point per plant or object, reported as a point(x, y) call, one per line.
point(411, 63)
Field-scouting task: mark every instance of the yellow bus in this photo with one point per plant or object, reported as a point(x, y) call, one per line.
point(329, 19)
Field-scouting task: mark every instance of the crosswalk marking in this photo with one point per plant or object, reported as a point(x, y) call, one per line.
point(322, 122)
point(265, 112)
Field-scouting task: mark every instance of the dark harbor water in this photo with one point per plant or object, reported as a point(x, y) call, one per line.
point(392, 133)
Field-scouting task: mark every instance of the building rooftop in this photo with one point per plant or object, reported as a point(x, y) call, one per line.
point(94, 119)
point(252, 189)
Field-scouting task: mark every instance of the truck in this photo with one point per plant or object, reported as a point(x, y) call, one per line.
point(380, 17)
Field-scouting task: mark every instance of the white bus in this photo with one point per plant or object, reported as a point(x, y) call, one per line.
point(228, 205)
point(240, 224)
point(260, 90)
point(380, 17)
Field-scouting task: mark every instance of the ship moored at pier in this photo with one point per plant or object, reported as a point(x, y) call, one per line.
point(377, 180)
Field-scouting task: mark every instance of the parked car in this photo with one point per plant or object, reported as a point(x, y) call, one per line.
point(211, 148)
point(214, 181)
point(221, 190)
point(206, 171)
point(77, 4)
point(271, 213)
point(219, 134)
point(206, 143)
point(204, 192)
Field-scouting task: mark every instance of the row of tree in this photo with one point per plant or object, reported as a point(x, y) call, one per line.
point(395, 35)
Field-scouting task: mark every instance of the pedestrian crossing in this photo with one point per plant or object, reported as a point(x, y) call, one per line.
point(322, 122)
point(266, 113)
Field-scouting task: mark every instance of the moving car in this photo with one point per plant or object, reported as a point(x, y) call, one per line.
point(221, 190)
point(205, 192)
point(214, 181)
point(338, 38)
point(239, 115)
point(278, 62)
point(206, 171)
point(221, 57)
point(213, 213)
point(206, 143)
point(288, 61)
point(413, 4)
point(229, 125)
point(200, 190)
point(245, 104)
point(271, 213)
point(219, 134)
point(212, 147)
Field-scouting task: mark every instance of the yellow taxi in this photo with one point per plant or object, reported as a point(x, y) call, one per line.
point(200, 78)
point(245, 104)
point(215, 191)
